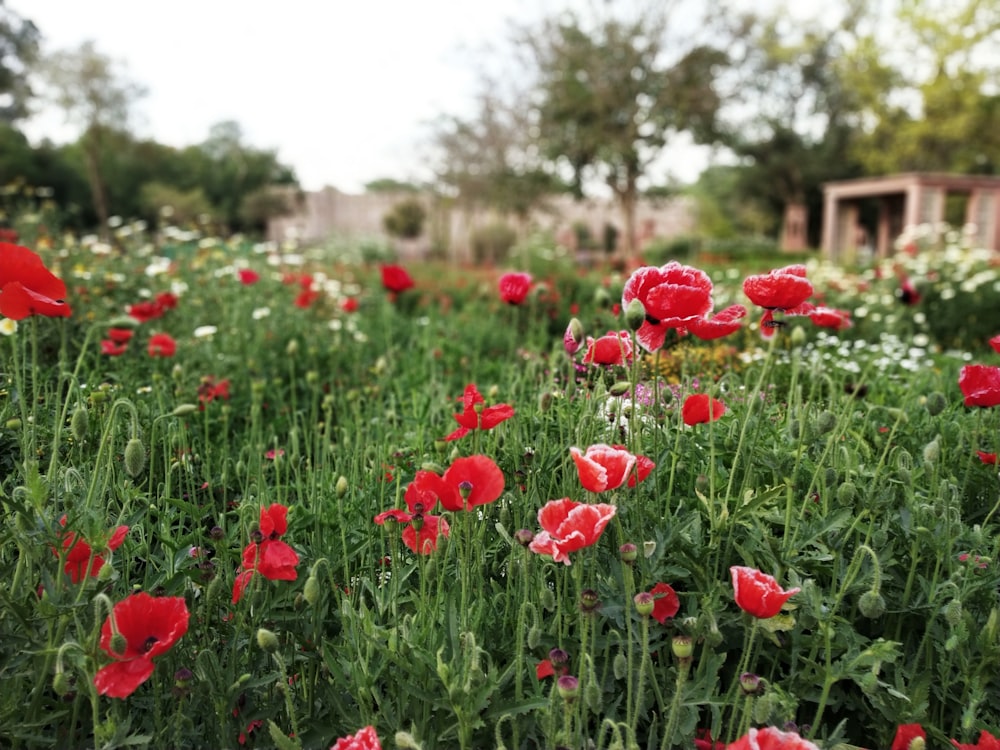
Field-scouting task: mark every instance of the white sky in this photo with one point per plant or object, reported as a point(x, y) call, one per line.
point(343, 90)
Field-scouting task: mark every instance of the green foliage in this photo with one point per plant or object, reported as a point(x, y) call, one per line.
point(491, 243)
point(19, 40)
point(182, 207)
point(406, 219)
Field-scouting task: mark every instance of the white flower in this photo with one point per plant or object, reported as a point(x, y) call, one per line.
point(204, 332)
point(261, 312)
point(8, 327)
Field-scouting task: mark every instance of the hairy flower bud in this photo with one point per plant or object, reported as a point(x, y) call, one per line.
point(182, 410)
point(135, 457)
point(635, 314)
point(953, 612)
point(936, 403)
point(568, 687)
point(79, 423)
point(932, 452)
point(311, 591)
point(847, 493)
point(644, 603)
point(825, 422)
point(872, 604)
point(267, 640)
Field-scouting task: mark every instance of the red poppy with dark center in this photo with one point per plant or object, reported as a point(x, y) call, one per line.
point(81, 559)
point(666, 603)
point(611, 349)
point(980, 384)
point(140, 628)
point(27, 287)
point(568, 526)
point(673, 296)
point(986, 741)
point(248, 276)
point(364, 739)
point(468, 482)
point(423, 529)
point(905, 734)
point(757, 593)
point(476, 417)
point(700, 408)
point(602, 467)
point(162, 345)
point(396, 279)
point(271, 557)
point(514, 287)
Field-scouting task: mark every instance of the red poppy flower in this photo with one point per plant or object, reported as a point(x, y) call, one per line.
point(666, 603)
point(144, 312)
point(780, 289)
point(272, 558)
point(544, 669)
point(81, 560)
point(468, 482)
point(248, 276)
point(905, 734)
point(987, 458)
point(721, 324)
point(305, 298)
point(166, 300)
point(422, 530)
point(349, 305)
point(610, 349)
point(827, 317)
point(210, 389)
point(908, 293)
point(476, 417)
point(703, 741)
point(700, 408)
point(162, 345)
point(602, 467)
point(568, 526)
point(770, 738)
point(980, 384)
point(514, 287)
point(395, 279)
point(643, 468)
point(673, 296)
point(986, 742)
point(139, 628)
point(995, 343)
point(364, 739)
point(111, 349)
point(120, 335)
point(758, 593)
point(27, 287)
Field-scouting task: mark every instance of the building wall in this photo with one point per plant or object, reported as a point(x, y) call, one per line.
point(330, 212)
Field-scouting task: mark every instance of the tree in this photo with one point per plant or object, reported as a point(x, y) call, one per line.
point(610, 96)
point(96, 95)
point(19, 40)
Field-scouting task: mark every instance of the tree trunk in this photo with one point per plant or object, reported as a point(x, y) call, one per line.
point(627, 199)
point(92, 156)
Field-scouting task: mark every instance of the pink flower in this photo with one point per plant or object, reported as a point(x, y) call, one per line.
point(602, 467)
point(769, 738)
point(514, 287)
point(568, 526)
point(365, 739)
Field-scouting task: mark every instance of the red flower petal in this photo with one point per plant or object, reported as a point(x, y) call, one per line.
point(758, 593)
point(700, 408)
point(150, 625)
point(514, 287)
point(980, 384)
point(905, 734)
point(780, 289)
point(602, 467)
point(479, 475)
point(274, 520)
point(119, 679)
point(666, 602)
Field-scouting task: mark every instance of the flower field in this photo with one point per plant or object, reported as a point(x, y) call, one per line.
point(271, 496)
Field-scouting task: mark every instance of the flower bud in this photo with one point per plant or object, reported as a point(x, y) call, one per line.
point(620, 666)
point(847, 493)
point(558, 657)
point(635, 315)
point(682, 646)
point(118, 644)
point(932, 452)
point(629, 553)
point(953, 612)
point(524, 537)
point(311, 591)
point(267, 640)
point(620, 388)
point(62, 684)
point(534, 637)
point(341, 487)
point(750, 684)
point(548, 599)
point(79, 423)
point(825, 422)
point(871, 604)
point(182, 410)
point(544, 401)
point(135, 457)
point(936, 403)
point(798, 336)
point(293, 348)
point(574, 336)
point(589, 601)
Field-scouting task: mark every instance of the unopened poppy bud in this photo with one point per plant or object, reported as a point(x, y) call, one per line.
point(311, 590)
point(61, 684)
point(936, 403)
point(635, 314)
point(847, 493)
point(825, 422)
point(465, 489)
point(105, 574)
point(798, 336)
point(601, 297)
point(548, 599)
point(568, 687)
point(13, 424)
point(620, 666)
point(573, 338)
point(871, 604)
point(267, 640)
point(183, 676)
point(432, 466)
point(118, 644)
point(135, 457)
point(544, 401)
point(79, 423)
point(682, 646)
point(312, 377)
point(341, 486)
point(932, 452)
point(558, 657)
point(953, 612)
point(440, 445)
point(534, 637)
point(750, 683)
point(524, 537)
point(644, 603)
point(620, 388)
point(629, 552)
point(182, 410)
point(293, 348)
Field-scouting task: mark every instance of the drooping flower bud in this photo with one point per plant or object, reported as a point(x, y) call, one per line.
point(871, 604)
point(267, 640)
point(635, 314)
point(135, 457)
point(79, 423)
